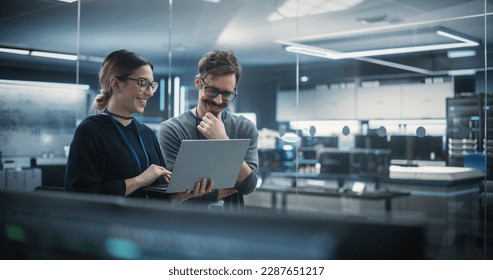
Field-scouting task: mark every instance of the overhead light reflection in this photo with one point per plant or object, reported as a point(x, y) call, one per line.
point(461, 53)
point(295, 8)
point(14, 51)
point(54, 55)
point(290, 137)
point(331, 54)
point(462, 72)
point(45, 84)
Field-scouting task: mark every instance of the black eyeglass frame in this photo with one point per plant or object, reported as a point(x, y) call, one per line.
point(153, 85)
point(231, 95)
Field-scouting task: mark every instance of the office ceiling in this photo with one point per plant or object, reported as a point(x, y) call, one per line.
point(192, 27)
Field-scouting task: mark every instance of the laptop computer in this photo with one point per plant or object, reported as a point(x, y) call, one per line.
point(219, 160)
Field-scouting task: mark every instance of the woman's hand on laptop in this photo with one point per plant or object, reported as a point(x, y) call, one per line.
point(202, 187)
point(146, 178)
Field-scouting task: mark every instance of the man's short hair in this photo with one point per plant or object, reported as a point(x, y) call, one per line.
point(218, 63)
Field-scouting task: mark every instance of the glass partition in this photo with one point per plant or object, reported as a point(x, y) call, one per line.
point(40, 99)
point(369, 109)
point(375, 110)
point(369, 113)
point(403, 87)
point(485, 87)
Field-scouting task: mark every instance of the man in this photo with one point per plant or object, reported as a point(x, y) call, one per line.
point(217, 81)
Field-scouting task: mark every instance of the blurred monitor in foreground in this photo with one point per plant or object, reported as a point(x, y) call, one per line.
point(49, 225)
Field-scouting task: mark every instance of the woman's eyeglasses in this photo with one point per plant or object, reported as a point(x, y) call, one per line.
point(144, 84)
point(213, 92)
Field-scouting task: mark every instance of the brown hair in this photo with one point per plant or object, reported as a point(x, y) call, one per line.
point(118, 64)
point(217, 63)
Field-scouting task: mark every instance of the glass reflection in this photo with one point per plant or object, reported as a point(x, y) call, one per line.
point(405, 105)
point(349, 119)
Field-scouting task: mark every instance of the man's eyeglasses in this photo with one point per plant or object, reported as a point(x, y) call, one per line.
point(144, 84)
point(213, 92)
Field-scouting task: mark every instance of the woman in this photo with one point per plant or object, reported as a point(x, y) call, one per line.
point(112, 153)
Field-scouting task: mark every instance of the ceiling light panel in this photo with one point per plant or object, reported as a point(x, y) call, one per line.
point(302, 8)
point(462, 72)
point(461, 53)
point(333, 6)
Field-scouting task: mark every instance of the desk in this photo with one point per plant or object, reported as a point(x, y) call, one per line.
point(452, 210)
point(387, 196)
point(340, 178)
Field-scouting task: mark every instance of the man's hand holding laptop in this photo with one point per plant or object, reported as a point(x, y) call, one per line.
point(200, 189)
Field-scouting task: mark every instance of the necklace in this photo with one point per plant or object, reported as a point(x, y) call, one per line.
point(134, 153)
point(120, 116)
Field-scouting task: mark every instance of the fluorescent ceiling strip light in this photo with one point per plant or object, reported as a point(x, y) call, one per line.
point(54, 55)
point(68, 1)
point(326, 53)
point(44, 84)
point(96, 59)
point(313, 51)
point(14, 51)
point(454, 37)
point(462, 72)
point(396, 65)
point(461, 53)
point(91, 58)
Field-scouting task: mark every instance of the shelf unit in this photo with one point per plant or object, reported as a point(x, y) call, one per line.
point(466, 131)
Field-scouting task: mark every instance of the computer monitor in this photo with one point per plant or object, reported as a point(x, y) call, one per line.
point(407, 147)
point(371, 141)
point(276, 160)
point(335, 162)
point(320, 141)
point(399, 147)
point(429, 148)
